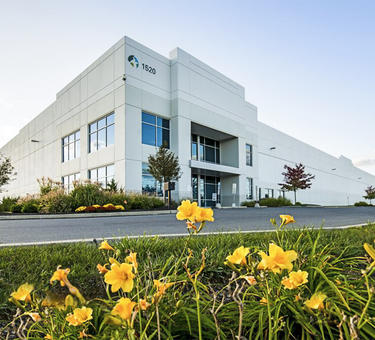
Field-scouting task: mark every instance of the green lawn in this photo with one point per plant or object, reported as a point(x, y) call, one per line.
point(36, 264)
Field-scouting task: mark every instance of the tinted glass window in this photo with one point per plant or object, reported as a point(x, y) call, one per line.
point(146, 117)
point(111, 119)
point(70, 146)
point(210, 154)
point(101, 139)
point(102, 133)
point(148, 134)
point(101, 123)
point(155, 130)
point(111, 135)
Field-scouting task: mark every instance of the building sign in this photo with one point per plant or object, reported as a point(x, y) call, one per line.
point(134, 62)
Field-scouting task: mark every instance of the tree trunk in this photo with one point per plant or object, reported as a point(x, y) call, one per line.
point(295, 197)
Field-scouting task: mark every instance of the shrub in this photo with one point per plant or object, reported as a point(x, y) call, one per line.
point(361, 204)
point(87, 194)
point(47, 184)
point(30, 207)
point(16, 208)
point(7, 203)
point(144, 202)
point(275, 202)
point(116, 198)
point(57, 202)
point(298, 204)
point(249, 204)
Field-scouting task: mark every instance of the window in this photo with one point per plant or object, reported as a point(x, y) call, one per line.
point(102, 175)
point(249, 155)
point(209, 149)
point(102, 133)
point(68, 181)
point(149, 184)
point(71, 146)
point(249, 189)
point(155, 130)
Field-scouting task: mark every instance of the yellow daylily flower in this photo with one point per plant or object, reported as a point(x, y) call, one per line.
point(161, 288)
point(316, 301)
point(35, 316)
point(60, 275)
point(79, 316)
point(143, 304)
point(286, 219)
point(132, 258)
point(295, 279)
point(187, 211)
point(277, 260)
point(82, 334)
point(82, 208)
point(102, 269)
point(48, 336)
point(23, 293)
point(371, 251)
point(203, 215)
point(105, 246)
point(120, 276)
point(119, 207)
point(250, 280)
point(239, 256)
point(124, 308)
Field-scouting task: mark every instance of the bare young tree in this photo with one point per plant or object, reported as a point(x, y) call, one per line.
point(296, 179)
point(6, 171)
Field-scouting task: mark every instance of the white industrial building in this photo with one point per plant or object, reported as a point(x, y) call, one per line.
point(109, 119)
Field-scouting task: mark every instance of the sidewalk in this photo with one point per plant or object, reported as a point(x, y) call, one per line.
point(85, 215)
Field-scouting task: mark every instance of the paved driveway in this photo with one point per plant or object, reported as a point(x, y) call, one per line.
point(19, 231)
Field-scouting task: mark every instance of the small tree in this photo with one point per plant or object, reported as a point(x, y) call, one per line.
point(370, 193)
point(164, 166)
point(6, 171)
point(296, 179)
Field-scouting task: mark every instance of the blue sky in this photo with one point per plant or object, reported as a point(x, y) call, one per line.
point(309, 66)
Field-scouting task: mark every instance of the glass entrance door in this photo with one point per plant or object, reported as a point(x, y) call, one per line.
point(206, 190)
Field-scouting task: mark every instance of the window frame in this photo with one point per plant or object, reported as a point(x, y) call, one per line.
point(159, 127)
point(157, 185)
point(107, 178)
point(69, 142)
point(68, 186)
point(249, 160)
point(249, 188)
point(94, 129)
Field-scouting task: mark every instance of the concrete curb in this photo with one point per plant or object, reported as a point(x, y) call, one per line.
point(87, 215)
point(88, 240)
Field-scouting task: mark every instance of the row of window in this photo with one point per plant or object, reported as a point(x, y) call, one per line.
point(101, 134)
point(205, 149)
point(155, 132)
point(102, 175)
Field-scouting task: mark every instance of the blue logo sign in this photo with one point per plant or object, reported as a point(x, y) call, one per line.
point(133, 61)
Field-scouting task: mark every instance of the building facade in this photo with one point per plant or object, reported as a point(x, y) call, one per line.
point(107, 121)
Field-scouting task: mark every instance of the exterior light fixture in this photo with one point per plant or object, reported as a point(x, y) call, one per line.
point(35, 141)
point(272, 147)
point(333, 169)
point(359, 177)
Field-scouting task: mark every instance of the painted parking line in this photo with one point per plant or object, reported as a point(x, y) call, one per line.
point(88, 240)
